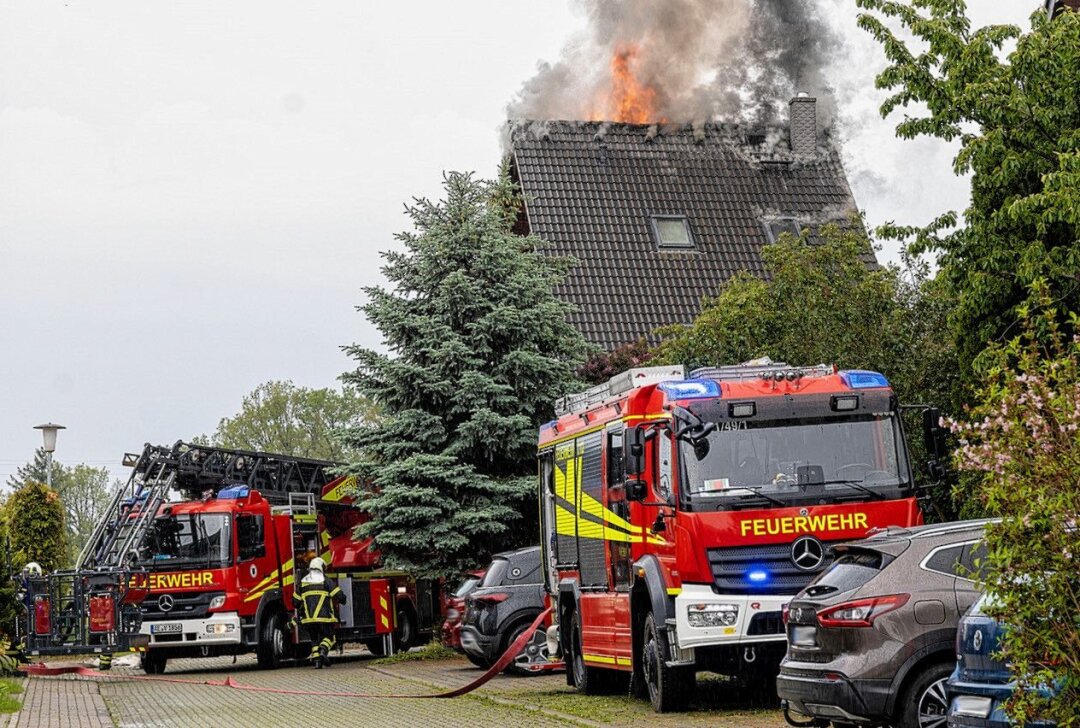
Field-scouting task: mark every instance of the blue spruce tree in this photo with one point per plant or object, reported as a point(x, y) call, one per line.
point(478, 350)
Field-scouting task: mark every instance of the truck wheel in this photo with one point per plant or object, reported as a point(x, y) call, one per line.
point(153, 663)
point(405, 634)
point(271, 650)
point(669, 687)
point(587, 680)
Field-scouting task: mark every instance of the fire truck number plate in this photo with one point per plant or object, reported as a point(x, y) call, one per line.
point(166, 628)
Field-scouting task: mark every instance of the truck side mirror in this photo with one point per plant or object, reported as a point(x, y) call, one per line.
point(636, 490)
point(634, 454)
point(934, 434)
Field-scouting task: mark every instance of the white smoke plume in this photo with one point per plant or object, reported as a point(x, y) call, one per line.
point(730, 60)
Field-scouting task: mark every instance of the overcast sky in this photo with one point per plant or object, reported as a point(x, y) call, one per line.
point(193, 194)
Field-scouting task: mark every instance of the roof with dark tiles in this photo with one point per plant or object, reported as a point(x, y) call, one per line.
point(591, 190)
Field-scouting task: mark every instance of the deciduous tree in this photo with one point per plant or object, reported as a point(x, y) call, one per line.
point(1017, 120)
point(280, 417)
point(477, 350)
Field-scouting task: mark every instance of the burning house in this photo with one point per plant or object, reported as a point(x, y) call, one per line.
point(660, 215)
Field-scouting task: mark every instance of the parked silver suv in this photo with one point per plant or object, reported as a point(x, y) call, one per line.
point(871, 641)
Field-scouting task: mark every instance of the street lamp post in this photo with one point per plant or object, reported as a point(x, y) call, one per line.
point(48, 433)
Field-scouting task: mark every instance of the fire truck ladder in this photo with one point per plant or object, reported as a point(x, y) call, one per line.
point(130, 513)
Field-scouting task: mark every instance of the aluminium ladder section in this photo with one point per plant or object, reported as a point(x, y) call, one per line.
point(130, 517)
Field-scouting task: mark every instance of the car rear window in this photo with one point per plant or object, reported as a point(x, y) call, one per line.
point(850, 571)
point(495, 573)
point(466, 586)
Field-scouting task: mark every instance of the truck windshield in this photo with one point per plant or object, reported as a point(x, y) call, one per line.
point(189, 539)
point(751, 464)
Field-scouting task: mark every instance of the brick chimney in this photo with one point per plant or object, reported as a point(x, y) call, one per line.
point(804, 132)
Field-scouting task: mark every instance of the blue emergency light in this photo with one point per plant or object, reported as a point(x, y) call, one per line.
point(757, 576)
point(691, 389)
point(233, 492)
point(861, 379)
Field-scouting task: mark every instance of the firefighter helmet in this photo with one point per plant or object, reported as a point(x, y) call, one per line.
point(33, 569)
point(317, 564)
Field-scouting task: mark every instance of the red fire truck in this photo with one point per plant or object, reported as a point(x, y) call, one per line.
point(214, 539)
point(680, 514)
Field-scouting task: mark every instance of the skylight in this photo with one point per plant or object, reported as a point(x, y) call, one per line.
point(672, 231)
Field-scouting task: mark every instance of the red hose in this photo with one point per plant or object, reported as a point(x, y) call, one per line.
point(43, 670)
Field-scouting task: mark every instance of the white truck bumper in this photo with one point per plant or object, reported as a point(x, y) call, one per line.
point(217, 629)
point(748, 605)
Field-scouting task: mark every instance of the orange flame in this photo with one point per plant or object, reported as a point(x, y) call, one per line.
point(629, 100)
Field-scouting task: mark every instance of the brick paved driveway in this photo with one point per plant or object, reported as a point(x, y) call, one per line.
point(536, 701)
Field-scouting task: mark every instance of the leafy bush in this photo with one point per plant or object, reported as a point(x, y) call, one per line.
point(1023, 443)
point(602, 366)
point(35, 518)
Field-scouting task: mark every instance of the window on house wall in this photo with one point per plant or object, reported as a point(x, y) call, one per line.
point(776, 227)
point(672, 232)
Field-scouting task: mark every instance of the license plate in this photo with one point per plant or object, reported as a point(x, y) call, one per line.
point(803, 636)
point(166, 628)
point(972, 706)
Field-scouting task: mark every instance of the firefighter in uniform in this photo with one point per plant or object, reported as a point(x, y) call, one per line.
point(315, 600)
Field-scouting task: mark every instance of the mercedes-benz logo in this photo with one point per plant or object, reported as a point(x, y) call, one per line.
point(165, 602)
point(807, 553)
point(977, 639)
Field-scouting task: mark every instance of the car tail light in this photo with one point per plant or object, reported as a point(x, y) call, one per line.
point(861, 612)
point(102, 613)
point(42, 616)
point(495, 598)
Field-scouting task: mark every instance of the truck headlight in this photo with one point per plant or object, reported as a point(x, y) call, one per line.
point(712, 615)
point(217, 602)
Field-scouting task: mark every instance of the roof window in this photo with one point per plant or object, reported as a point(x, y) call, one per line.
point(776, 227)
point(672, 231)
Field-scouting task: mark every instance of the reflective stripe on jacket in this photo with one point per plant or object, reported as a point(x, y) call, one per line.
point(315, 601)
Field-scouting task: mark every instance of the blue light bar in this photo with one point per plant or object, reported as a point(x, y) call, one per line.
point(233, 492)
point(861, 379)
point(757, 576)
point(691, 389)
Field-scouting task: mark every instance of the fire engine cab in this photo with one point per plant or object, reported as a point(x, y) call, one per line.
point(679, 513)
point(213, 540)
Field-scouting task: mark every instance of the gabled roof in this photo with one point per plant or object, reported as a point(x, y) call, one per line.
point(592, 189)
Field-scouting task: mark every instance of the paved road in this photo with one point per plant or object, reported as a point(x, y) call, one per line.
point(534, 701)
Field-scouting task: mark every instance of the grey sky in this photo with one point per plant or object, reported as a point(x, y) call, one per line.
point(192, 194)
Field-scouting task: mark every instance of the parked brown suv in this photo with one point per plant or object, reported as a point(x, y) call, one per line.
point(871, 641)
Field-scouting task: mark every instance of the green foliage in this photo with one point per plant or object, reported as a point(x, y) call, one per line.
point(1022, 443)
point(9, 688)
point(479, 349)
point(34, 515)
point(84, 491)
point(8, 603)
point(1017, 120)
point(603, 365)
point(280, 417)
point(430, 651)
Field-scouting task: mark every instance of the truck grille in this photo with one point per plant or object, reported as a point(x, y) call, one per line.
point(185, 605)
point(730, 567)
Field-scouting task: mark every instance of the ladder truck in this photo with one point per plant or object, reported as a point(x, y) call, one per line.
point(211, 541)
point(680, 513)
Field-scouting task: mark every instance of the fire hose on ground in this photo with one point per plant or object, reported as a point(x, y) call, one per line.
point(44, 670)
